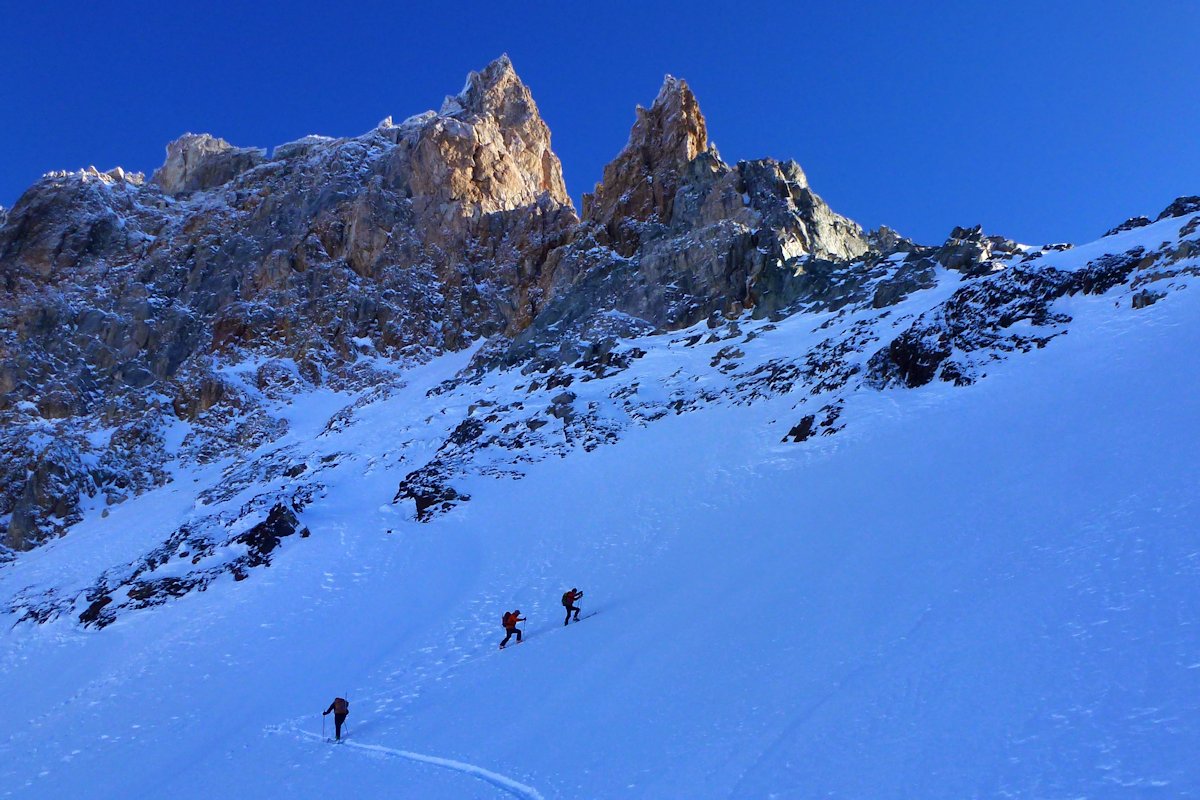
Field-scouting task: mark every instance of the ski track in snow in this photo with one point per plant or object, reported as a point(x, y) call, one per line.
point(494, 778)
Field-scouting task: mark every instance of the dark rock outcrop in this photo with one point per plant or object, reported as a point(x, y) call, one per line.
point(969, 251)
point(1181, 207)
point(48, 501)
point(980, 318)
point(1130, 224)
point(142, 583)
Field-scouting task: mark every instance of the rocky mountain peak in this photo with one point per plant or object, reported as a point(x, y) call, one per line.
point(640, 183)
point(487, 90)
point(510, 161)
point(675, 119)
point(673, 235)
point(408, 241)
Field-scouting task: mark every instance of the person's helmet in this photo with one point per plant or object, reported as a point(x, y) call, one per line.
point(518, 611)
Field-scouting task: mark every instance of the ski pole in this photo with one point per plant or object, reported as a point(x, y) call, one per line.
point(322, 726)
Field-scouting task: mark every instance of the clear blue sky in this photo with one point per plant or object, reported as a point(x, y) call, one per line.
point(1042, 121)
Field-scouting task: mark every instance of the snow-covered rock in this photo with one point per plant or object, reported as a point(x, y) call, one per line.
point(420, 238)
point(1181, 207)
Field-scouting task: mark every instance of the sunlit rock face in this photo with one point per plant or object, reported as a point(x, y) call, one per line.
point(673, 234)
point(125, 301)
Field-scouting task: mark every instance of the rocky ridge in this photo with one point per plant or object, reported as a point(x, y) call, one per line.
point(124, 298)
point(127, 299)
point(672, 234)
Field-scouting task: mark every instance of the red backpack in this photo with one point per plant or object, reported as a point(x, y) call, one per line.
point(341, 706)
point(507, 619)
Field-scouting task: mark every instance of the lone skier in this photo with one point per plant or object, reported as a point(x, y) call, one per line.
point(569, 599)
point(510, 620)
point(341, 709)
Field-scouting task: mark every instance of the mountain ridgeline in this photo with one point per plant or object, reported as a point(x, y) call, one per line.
point(148, 324)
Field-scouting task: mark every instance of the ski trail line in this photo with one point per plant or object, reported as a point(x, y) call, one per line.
point(496, 779)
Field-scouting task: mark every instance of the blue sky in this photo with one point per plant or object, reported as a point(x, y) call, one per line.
point(1042, 121)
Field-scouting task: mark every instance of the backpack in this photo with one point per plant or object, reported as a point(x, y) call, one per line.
point(568, 599)
point(341, 706)
point(506, 621)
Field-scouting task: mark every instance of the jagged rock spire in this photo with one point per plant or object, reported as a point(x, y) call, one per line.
point(488, 147)
point(487, 90)
point(509, 142)
point(672, 129)
point(640, 183)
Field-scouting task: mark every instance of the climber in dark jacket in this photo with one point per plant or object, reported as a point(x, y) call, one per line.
point(340, 709)
point(569, 599)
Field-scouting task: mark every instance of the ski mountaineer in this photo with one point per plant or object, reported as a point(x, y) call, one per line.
point(510, 620)
point(569, 599)
point(341, 709)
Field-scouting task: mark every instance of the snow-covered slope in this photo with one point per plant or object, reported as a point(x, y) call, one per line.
point(986, 590)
